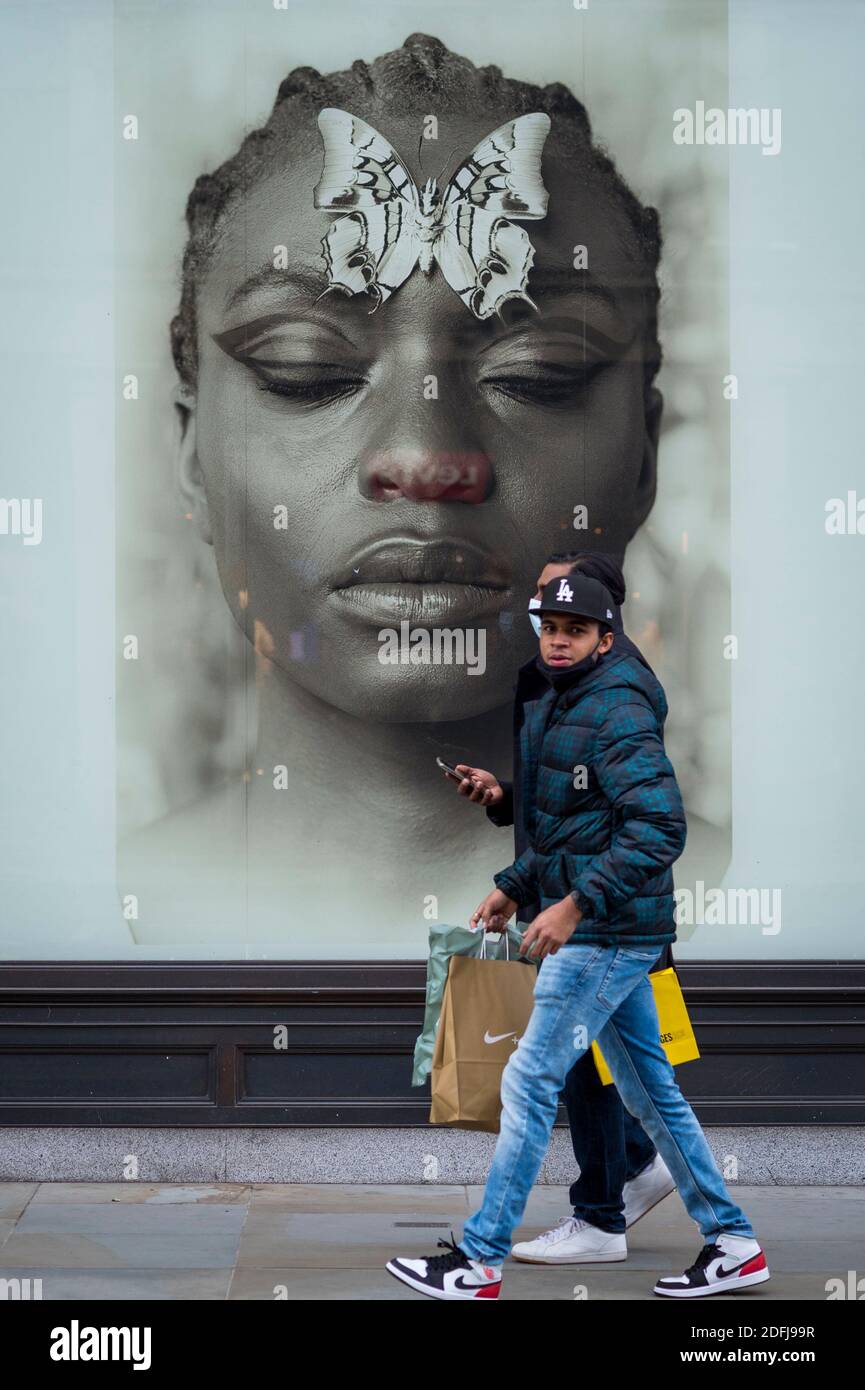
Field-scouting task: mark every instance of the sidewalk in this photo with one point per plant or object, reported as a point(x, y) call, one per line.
point(152, 1241)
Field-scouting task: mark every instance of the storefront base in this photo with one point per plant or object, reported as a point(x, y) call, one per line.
point(832, 1155)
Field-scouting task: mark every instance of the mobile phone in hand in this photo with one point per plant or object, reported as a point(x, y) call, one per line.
point(451, 771)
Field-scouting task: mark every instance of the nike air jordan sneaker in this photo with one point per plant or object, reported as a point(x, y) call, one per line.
point(730, 1264)
point(453, 1275)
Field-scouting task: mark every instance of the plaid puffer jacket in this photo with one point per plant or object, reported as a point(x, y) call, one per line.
point(611, 839)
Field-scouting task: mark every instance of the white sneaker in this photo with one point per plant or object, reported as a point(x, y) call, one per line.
point(647, 1190)
point(572, 1242)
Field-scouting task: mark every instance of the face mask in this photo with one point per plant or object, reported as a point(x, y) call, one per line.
point(563, 676)
point(534, 605)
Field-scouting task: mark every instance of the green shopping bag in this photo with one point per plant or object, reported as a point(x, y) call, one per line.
point(444, 942)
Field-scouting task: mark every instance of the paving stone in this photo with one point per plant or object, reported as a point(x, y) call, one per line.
point(168, 1285)
point(95, 1218)
point(118, 1251)
point(14, 1197)
point(327, 1197)
point(155, 1194)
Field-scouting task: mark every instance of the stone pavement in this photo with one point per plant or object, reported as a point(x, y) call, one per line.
point(267, 1241)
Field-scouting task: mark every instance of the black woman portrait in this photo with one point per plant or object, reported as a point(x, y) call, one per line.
point(416, 352)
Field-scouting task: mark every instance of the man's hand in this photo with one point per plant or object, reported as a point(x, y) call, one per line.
point(478, 785)
point(551, 929)
point(493, 912)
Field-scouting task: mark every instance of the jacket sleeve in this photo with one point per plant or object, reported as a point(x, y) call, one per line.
point(503, 813)
point(637, 779)
point(520, 881)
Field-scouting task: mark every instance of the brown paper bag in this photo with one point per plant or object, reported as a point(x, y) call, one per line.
point(486, 1008)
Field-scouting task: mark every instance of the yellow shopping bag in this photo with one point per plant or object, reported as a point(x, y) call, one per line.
point(677, 1035)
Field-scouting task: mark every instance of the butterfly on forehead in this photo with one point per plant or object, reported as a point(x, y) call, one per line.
point(390, 226)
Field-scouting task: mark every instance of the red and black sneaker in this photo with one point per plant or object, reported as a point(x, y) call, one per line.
point(453, 1275)
point(731, 1263)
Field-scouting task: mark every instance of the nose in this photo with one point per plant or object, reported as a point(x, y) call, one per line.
point(426, 450)
point(426, 474)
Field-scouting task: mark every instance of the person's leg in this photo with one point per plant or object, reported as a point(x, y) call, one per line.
point(640, 1152)
point(531, 1082)
point(609, 1145)
point(576, 992)
point(647, 1084)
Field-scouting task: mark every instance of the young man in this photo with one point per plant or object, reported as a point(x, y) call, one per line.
point(621, 1174)
point(605, 824)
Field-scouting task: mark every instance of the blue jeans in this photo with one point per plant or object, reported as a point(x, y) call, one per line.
point(610, 1146)
point(581, 993)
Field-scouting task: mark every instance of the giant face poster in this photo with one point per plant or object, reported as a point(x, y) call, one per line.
point(336, 439)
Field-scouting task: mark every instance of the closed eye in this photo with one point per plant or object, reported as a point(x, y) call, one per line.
point(551, 384)
point(547, 362)
point(318, 387)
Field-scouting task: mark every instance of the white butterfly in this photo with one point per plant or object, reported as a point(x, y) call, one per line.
point(391, 226)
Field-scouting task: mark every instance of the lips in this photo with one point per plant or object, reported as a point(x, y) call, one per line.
point(423, 581)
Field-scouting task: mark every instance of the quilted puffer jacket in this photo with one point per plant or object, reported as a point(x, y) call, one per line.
point(611, 842)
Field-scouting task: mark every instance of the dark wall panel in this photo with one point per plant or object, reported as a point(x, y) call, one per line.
point(104, 1043)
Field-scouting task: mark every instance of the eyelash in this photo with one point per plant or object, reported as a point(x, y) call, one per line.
point(555, 386)
point(315, 391)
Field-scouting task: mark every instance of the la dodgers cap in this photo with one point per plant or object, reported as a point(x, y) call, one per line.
point(579, 595)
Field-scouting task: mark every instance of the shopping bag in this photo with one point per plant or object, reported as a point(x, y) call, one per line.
point(446, 941)
point(677, 1035)
point(486, 1009)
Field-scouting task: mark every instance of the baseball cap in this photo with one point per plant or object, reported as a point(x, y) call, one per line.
point(579, 595)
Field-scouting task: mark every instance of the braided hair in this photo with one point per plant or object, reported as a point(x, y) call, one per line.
point(421, 75)
point(597, 565)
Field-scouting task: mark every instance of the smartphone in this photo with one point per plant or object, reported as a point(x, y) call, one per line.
point(451, 771)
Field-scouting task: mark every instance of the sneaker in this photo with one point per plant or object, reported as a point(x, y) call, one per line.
point(572, 1242)
point(730, 1264)
point(453, 1275)
point(647, 1189)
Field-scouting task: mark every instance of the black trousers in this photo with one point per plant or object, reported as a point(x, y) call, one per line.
point(610, 1146)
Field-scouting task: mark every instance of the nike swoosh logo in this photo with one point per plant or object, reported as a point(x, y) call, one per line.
point(718, 1267)
point(498, 1037)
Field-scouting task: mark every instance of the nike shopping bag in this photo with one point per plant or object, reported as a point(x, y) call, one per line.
point(486, 1009)
point(445, 941)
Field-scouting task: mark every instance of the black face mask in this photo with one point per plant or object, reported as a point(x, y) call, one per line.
point(562, 677)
